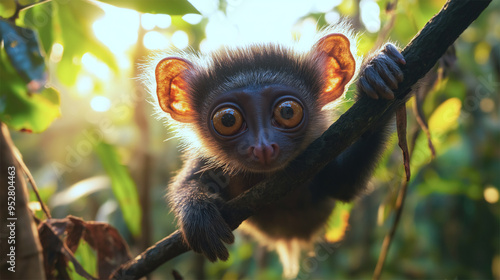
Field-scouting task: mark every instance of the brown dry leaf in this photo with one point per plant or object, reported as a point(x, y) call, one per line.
point(401, 127)
point(60, 239)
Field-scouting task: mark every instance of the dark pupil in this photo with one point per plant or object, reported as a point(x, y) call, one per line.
point(228, 120)
point(286, 113)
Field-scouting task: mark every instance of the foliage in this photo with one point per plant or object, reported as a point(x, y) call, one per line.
point(123, 186)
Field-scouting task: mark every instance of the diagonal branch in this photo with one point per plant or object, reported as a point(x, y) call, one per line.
point(420, 54)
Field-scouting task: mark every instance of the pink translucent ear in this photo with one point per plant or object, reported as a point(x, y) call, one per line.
point(171, 88)
point(340, 65)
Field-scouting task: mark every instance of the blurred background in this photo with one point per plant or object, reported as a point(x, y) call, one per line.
point(97, 152)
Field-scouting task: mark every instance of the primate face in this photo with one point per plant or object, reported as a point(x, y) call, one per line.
point(260, 127)
point(255, 108)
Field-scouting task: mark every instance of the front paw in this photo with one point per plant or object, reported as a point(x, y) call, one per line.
point(205, 230)
point(382, 73)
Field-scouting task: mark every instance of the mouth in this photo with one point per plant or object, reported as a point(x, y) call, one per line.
point(256, 166)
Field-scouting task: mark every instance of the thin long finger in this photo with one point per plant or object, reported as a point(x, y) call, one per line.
point(378, 84)
point(386, 74)
point(393, 52)
point(394, 69)
point(365, 87)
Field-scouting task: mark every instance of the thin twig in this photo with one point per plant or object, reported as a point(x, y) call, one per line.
point(30, 5)
point(25, 169)
point(386, 29)
point(388, 238)
point(386, 244)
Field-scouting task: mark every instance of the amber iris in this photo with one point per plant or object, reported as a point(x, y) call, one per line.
point(227, 121)
point(288, 114)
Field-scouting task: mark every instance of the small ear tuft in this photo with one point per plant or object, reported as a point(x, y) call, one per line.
point(340, 65)
point(171, 88)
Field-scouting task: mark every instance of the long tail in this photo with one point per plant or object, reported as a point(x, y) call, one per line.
point(289, 253)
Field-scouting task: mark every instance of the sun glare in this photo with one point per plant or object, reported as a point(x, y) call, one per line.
point(257, 21)
point(192, 18)
point(332, 17)
point(100, 104)
point(118, 28)
point(180, 39)
point(95, 66)
point(243, 21)
point(56, 52)
point(163, 21)
point(155, 40)
point(84, 84)
point(148, 21)
point(370, 15)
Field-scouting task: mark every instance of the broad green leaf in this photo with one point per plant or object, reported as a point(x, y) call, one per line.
point(434, 183)
point(123, 186)
point(74, 20)
point(23, 111)
point(445, 116)
point(39, 17)
point(338, 222)
point(171, 7)
point(67, 71)
point(7, 8)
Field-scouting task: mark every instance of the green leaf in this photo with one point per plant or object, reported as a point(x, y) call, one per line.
point(7, 8)
point(74, 19)
point(23, 111)
point(435, 183)
point(123, 186)
point(171, 7)
point(39, 17)
point(445, 116)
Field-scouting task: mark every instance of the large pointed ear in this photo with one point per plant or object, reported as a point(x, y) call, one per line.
point(340, 65)
point(171, 88)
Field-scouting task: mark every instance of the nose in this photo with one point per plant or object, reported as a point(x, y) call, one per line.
point(265, 153)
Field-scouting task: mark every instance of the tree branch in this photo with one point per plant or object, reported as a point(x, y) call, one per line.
point(420, 54)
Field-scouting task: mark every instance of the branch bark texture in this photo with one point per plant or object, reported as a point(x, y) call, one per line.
point(420, 54)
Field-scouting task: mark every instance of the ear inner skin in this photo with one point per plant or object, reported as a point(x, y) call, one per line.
point(339, 63)
point(172, 88)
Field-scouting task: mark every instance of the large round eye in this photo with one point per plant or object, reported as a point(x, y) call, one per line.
point(288, 113)
point(227, 121)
